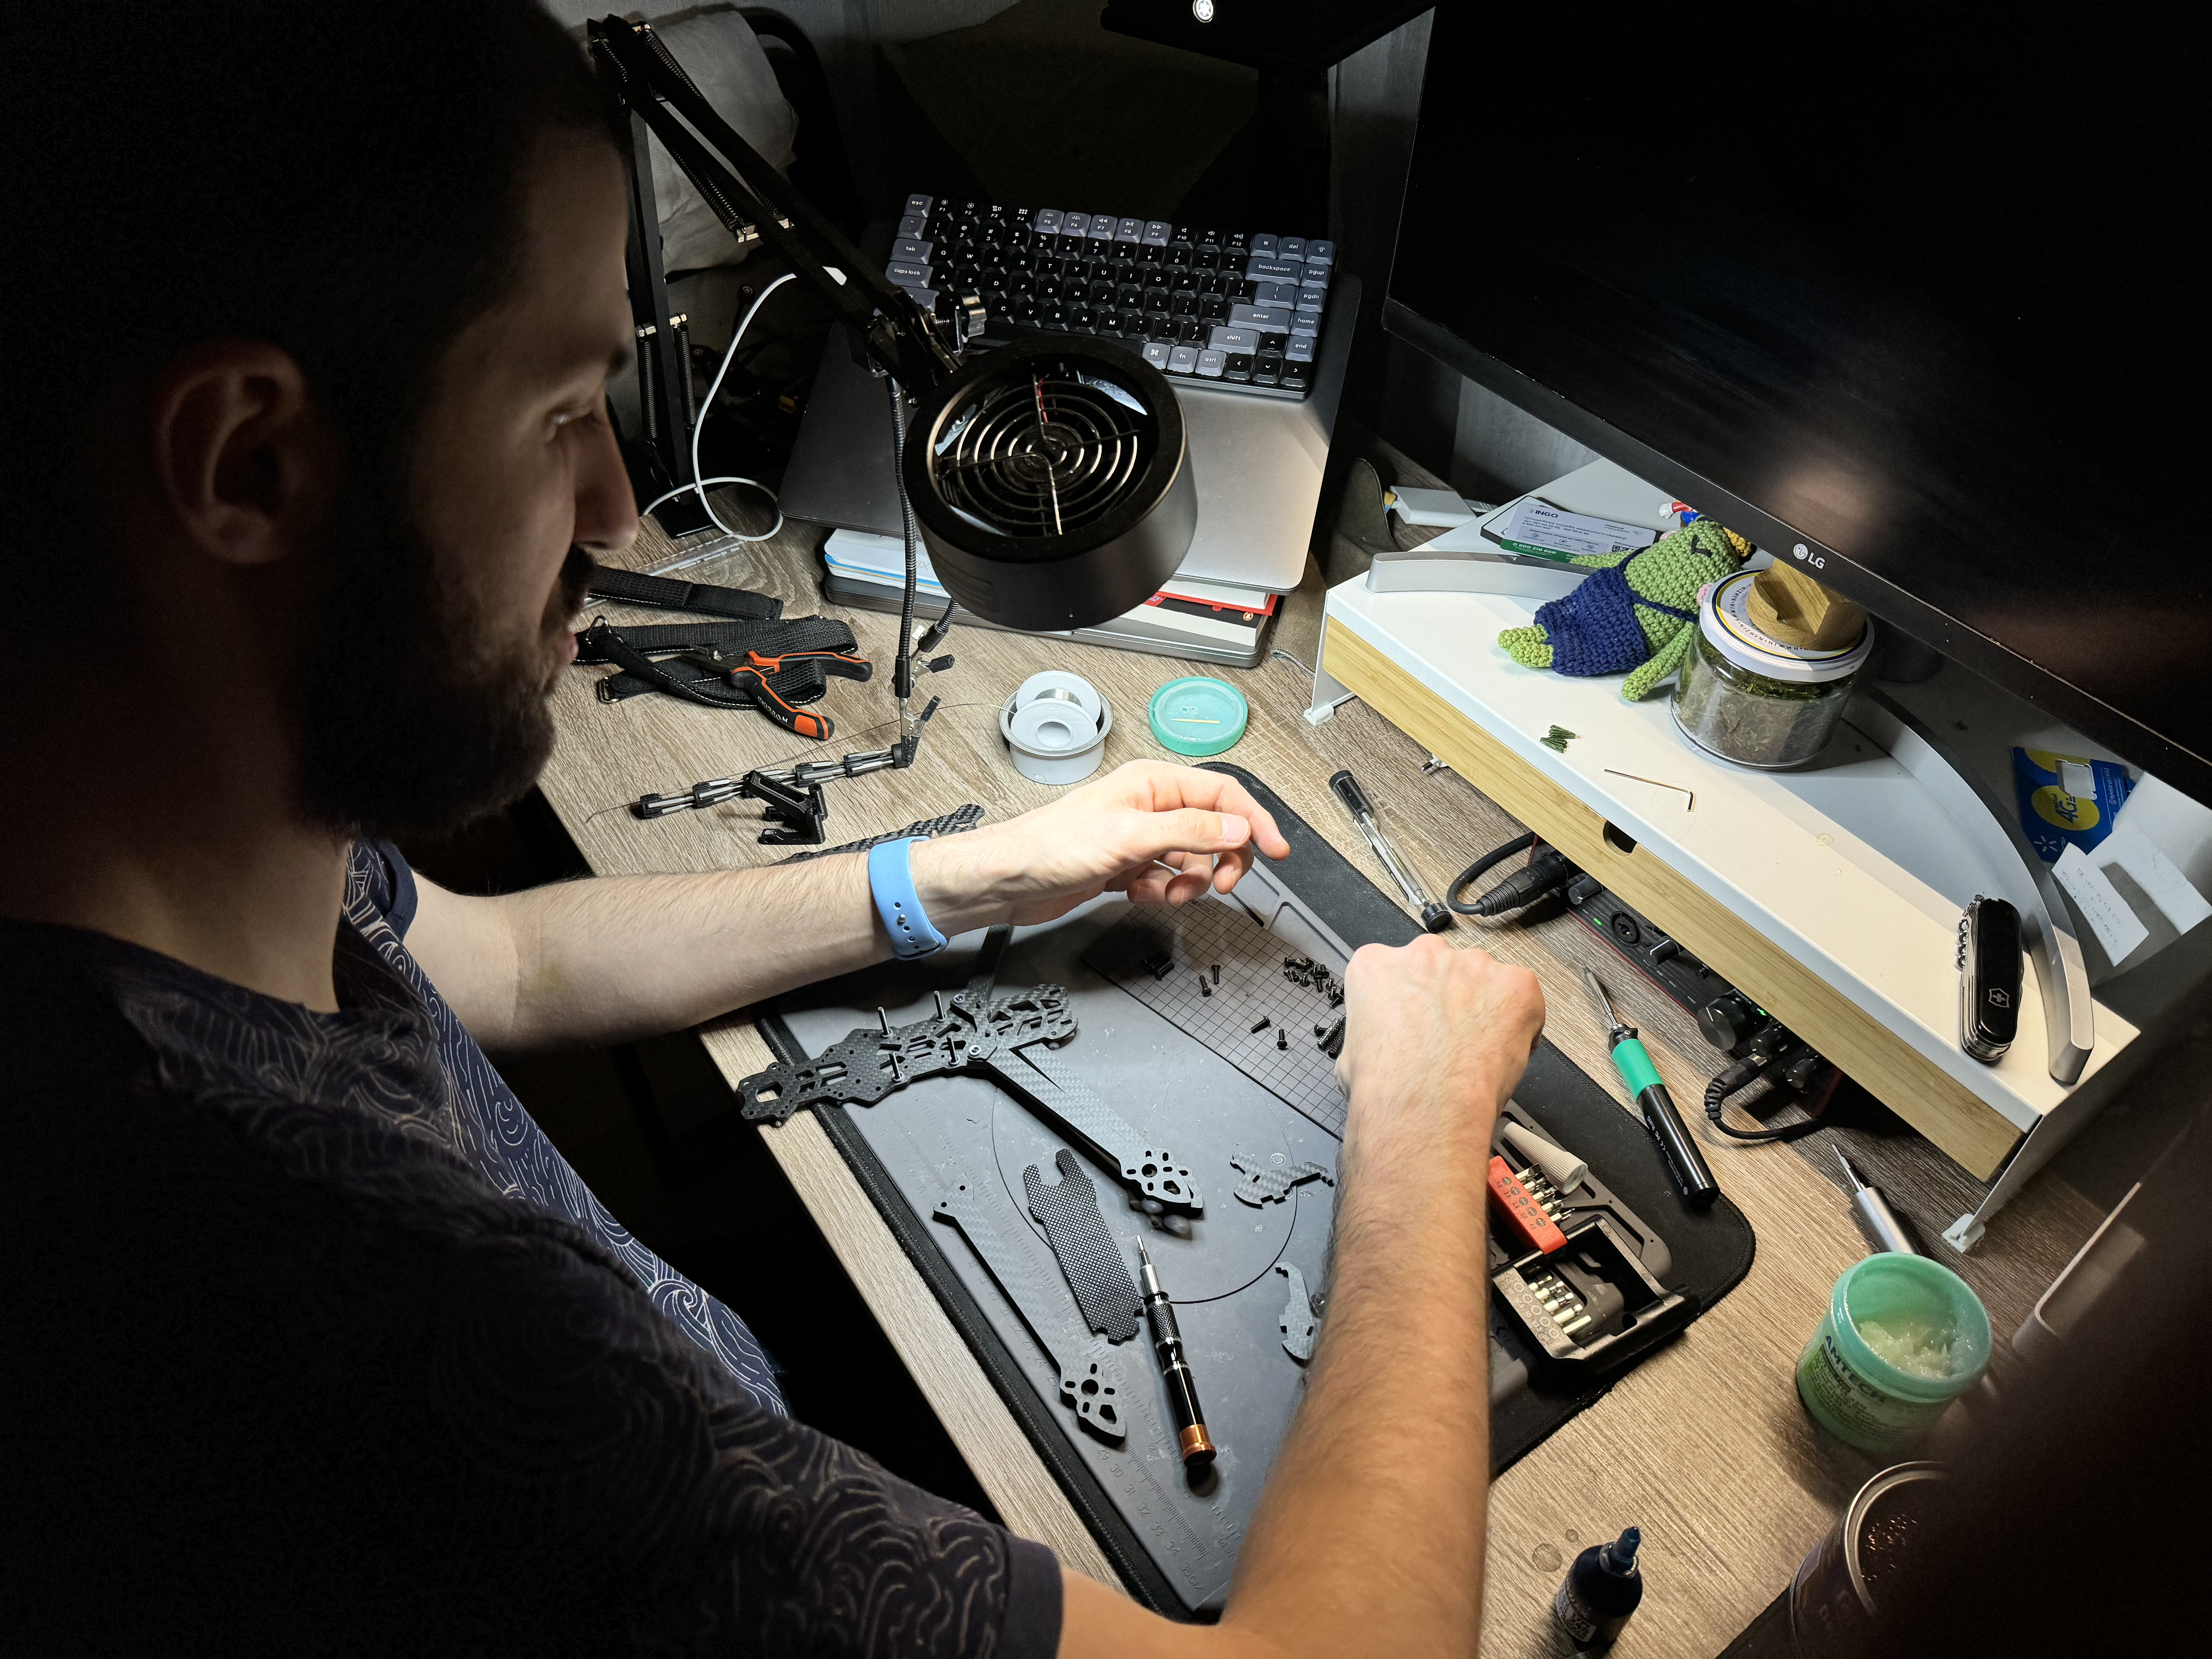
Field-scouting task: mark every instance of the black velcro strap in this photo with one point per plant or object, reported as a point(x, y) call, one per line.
point(731, 639)
point(635, 587)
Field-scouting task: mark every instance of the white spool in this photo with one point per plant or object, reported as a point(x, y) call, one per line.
point(1053, 737)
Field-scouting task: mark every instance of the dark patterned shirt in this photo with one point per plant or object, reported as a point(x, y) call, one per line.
point(311, 1343)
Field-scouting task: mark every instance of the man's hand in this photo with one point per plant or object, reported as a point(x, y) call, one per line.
point(1110, 835)
point(1435, 1039)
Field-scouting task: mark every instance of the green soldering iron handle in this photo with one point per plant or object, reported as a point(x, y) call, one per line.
point(1693, 1178)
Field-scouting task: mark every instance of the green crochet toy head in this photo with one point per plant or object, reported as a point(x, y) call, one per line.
point(1634, 615)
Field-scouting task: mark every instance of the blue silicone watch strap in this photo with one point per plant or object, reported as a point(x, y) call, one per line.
point(890, 883)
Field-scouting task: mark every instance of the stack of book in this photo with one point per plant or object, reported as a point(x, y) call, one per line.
point(1206, 622)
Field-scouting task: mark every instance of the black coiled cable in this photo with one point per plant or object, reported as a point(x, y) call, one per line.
point(1734, 1078)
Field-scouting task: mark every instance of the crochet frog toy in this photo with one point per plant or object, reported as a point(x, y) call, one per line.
point(1634, 615)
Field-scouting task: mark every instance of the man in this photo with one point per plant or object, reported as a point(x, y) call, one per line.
point(313, 1342)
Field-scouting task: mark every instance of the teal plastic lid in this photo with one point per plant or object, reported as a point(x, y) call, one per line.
point(1198, 716)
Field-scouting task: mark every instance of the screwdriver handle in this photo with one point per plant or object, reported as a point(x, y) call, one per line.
point(1693, 1178)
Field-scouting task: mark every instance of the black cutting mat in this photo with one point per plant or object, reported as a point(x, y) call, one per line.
point(1222, 979)
point(1712, 1250)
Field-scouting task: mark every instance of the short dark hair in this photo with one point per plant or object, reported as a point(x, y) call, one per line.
point(342, 177)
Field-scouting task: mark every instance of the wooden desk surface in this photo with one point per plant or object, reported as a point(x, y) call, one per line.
point(1704, 1445)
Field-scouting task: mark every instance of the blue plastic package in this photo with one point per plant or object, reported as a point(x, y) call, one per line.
point(2066, 800)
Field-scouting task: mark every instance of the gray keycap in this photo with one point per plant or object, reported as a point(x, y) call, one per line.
point(919, 203)
point(1300, 350)
point(924, 297)
point(1274, 270)
point(907, 274)
point(1314, 283)
point(1075, 224)
point(1291, 247)
point(1305, 324)
point(1275, 293)
point(915, 224)
point(1234, 340)
point(1103, 227)
point(1321, 251)
point(1155, 352)
point(1048, 220)
point(1263, 247)
point(1183, 360)
point(1156, 232)
point(910, 252)
point(1267, 319)
point(1211, 363)
point(1310, 303)
point(1129, 230)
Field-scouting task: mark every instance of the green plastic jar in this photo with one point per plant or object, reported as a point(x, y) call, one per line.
point(1904, 1304)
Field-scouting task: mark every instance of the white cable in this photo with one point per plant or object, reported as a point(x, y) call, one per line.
point(700, 426)
point(659, 502)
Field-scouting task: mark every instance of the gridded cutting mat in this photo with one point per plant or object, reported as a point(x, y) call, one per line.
point(1198, 937)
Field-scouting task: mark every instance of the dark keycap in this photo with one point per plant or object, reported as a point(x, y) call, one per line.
point(1185, 281)
point(1183, 305)
point(1267, 368)
point(1213, 307)
point(1158, 326)
point(1238, 367)
point(1021, 311)
point(1128, 293)
point(1077, 320)
point(1155, 298)
point(1151, 254)
point(1190, 330)
point(1232, 264)
point(1179, 253)
point(1296, 376)
point(1207, 258)
point(1101, 292)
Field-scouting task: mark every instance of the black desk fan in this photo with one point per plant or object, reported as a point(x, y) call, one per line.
point(1050, 481)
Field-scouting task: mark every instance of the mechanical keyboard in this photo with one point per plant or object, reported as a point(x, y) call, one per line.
point(1233, 309)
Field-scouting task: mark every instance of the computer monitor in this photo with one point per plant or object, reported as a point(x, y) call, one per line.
point(1908, 299)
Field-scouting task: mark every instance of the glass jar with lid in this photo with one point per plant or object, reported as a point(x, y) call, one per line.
point(1748, 697)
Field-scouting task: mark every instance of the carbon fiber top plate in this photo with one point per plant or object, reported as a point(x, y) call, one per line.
point(1068, 1209)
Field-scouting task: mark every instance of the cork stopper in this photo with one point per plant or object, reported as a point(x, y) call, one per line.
point(1795, 608)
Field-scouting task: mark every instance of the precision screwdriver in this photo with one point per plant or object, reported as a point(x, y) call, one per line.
point(1881, 1224)
point(1684, 1161)
point(1191, 1437)
point(1434, 917)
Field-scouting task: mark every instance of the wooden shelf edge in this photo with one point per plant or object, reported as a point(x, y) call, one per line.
point(1969, 1131)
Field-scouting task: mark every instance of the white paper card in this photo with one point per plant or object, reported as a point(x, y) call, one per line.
point(2100, 903)
point(1534, 526)
point(2162, 882)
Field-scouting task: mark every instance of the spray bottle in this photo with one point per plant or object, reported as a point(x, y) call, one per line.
point(1600, 1592)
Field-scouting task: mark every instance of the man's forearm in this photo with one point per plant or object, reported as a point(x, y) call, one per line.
point(614, 958)
point(1368, 1539)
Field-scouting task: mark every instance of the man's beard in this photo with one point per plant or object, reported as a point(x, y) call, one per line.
point(410, 722)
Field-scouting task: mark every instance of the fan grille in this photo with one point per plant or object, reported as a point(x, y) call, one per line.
point(1043, 455)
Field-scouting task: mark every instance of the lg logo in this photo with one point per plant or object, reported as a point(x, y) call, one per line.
point(1806, 556)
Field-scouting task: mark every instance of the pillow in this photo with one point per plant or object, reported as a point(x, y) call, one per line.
point(718, 52)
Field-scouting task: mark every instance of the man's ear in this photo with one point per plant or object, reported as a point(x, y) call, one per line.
point(243, 458)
